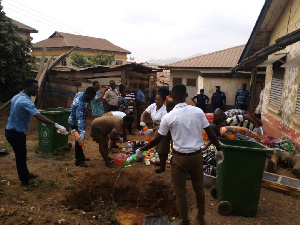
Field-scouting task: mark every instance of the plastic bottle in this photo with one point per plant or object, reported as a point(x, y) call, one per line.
point(120, 159)
point(76, 135)
point(148, 138)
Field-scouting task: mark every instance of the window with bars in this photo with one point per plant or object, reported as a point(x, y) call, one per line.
point(277, 83)
point(64, 62)
point(191, 82)
point(276, 92)
point(177, 81)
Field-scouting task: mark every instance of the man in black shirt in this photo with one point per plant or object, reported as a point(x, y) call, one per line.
point(218, 99)
point(202, 100)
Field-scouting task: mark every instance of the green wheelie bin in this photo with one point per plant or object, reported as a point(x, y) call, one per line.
point(239, 177)
point(49, 139)
point(62, 139)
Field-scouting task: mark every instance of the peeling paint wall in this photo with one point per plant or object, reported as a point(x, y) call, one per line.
point(228, 85)
point(281, 125)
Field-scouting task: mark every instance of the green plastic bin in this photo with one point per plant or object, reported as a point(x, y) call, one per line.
point(49, 139)
point(239, 177)
point(62, 139)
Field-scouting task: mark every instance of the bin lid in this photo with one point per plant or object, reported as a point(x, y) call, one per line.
point(46, 112)
point(244, 146)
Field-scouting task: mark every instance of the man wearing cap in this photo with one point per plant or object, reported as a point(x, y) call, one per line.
point(202, 100)
point(218, 99)
point(182, 122)
point(241, 97)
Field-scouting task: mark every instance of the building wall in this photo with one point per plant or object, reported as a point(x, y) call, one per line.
point(278, 124)
point(59, 51)
point(24, 35)
point(185, 74)
point(228, 85)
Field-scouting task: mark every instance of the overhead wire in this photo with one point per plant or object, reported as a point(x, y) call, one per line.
point(58, 24)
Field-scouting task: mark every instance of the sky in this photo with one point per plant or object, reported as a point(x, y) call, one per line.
point(156, 29)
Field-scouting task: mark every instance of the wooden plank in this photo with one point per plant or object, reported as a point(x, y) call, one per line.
point(107, 74)
point(70, 88)
point(42, 61)
point(42, 78)
point(54, 79)
point(75, 75)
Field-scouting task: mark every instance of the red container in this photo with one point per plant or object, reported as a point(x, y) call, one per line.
point(210, 117)
point(120, 159)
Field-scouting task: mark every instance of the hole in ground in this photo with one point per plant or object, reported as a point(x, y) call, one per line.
point(129, 188)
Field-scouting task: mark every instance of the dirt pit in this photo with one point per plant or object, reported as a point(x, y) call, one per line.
point(68, 194)
point(130, 189)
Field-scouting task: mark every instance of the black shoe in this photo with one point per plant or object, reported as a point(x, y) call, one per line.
point(32, 176)
point(188, 176)
point(81, 164)
point(160, 170)
point(26, 183)
point(87, 159)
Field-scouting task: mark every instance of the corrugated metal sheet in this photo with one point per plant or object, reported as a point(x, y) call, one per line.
point(24, 27)
point(226, 58)
point(276, 92)
point(63, 40)
point(293, 63)
point(272, 60)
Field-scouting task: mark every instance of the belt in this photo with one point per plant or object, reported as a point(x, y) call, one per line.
point(186, 154)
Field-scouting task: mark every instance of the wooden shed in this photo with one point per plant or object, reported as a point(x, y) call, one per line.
point(63, 83)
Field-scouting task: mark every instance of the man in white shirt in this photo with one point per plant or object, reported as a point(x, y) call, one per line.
point(185, 123)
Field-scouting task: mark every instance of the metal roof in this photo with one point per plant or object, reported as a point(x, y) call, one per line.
point(65, 40)
point(24, 27)
point(226, 58)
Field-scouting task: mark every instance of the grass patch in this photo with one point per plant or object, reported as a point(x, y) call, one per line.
point(40, 183)
point(104, 211)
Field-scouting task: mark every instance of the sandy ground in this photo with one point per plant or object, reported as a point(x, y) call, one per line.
point(67, 194)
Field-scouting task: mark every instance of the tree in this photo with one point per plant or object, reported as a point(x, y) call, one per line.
point(102, 59)
point(15, 59)
point(78, 59)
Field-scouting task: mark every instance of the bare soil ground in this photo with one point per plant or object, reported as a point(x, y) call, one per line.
point(67, 194)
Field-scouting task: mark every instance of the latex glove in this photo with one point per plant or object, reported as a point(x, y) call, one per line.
point(121, 140)
point(60, 129)
point(142, 124)
point(219, 157)
point(139, 154)
point(149, 131)
point(81, 137)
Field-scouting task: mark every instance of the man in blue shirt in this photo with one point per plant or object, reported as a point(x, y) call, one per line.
point(22, 108)
point(97, 102)
point(241, 97)
point(140, 102)
point(77, 118)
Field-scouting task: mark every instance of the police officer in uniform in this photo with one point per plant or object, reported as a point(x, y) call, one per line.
point(218, 99)
point(202, 100)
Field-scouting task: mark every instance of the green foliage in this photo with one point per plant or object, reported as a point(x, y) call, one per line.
point(15, 59)
point(101, 59)
point(80, 60)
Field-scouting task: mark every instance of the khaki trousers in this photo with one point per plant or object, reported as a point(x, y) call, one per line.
point(180, 165)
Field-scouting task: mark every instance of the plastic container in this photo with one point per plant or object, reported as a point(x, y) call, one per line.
point(49, 139)
point(76, 135)
point(210, 117)
point(239, 177)
point(120, 159)
point(62, 139)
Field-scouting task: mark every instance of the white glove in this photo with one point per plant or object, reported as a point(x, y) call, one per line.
point(142, 124)
point(219, 157)
point(81, 137)
point(149, 131)
point(121, 140)
point(139, 154)
point(60, 129)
